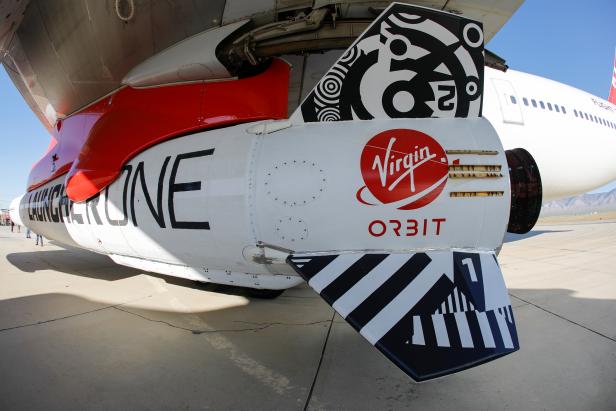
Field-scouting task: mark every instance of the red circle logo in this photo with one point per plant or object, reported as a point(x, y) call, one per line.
point(405, 167)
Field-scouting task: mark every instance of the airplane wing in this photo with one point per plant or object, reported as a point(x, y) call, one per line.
point(63, 56)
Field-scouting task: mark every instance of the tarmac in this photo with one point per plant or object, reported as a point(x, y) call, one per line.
point(80, 332)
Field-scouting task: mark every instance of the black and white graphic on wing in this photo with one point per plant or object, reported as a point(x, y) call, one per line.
point(426, 311)
point(410, 63)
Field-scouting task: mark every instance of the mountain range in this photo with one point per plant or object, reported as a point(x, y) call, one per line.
point(582, 204)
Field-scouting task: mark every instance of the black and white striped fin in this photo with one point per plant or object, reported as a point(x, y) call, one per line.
point(431, 313)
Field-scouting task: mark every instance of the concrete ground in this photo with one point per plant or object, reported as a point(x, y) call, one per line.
point(79, 332)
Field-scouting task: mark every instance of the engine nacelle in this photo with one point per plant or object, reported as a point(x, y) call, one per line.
point(526, 191)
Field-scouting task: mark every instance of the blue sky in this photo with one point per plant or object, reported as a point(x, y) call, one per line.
point(568, 41)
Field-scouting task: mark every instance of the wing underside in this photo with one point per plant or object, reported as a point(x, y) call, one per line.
point(64, 56)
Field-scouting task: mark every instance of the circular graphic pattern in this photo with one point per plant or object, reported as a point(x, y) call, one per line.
point(399, 47)
point(329, 114)
point(405, 65)
point(403, 101)
point(470, 31)
point(349, 56)
point(471, 88)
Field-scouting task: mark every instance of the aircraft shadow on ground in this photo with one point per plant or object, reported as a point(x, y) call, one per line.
point(85, 264)
point(510, 237)
point(88, 264)
point(124, 357)
point(129, 350)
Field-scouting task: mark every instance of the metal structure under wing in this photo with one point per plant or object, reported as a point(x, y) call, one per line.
point(65, 55)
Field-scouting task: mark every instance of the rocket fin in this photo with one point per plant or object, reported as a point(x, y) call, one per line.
point(409, 306)
point(411, 62)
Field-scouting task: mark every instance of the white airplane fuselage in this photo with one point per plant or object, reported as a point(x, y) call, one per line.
point(575, 148)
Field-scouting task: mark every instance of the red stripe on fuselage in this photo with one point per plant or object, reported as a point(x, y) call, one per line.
point(95, 143)
point(612, 97)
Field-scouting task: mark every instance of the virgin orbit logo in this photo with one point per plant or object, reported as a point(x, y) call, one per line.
point(407, 169)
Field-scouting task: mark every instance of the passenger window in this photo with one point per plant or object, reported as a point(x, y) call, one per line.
point(563, 109)
point(586, 116)
point(525, 100)
point(550, 106)
point(556, 107)
point(541, 104)
point(575, 112)
point(513, 100)
point(534, 103)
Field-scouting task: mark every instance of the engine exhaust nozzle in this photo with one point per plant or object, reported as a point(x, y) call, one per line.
point(526, 191)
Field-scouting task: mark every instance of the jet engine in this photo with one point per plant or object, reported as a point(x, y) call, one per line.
point(526, 191)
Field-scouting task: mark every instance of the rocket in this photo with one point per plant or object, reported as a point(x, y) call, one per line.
point(386, 191)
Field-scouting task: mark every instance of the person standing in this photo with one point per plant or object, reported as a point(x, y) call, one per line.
point(39, 237)
point(12, 225)
point(28, 233)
